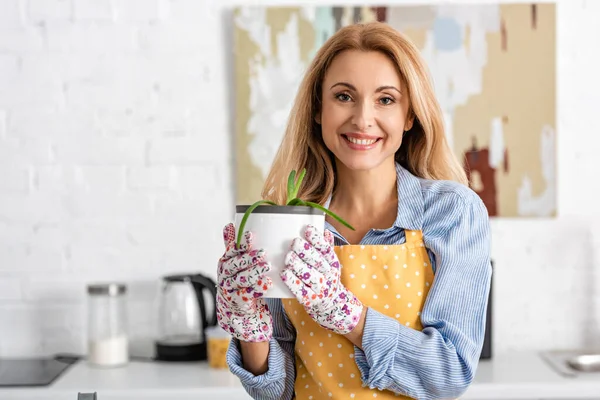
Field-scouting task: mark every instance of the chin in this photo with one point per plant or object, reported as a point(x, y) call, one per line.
point(360, 163)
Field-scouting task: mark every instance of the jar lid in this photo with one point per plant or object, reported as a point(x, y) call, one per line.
point(110, 289)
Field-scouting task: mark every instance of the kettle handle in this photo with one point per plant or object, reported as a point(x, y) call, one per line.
point(208, 283)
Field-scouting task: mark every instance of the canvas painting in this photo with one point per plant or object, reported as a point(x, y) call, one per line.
point(493, 67)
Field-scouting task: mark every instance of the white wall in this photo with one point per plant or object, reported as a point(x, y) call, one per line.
point(115, 163)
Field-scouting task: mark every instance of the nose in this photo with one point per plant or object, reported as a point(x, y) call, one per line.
point(364, 115)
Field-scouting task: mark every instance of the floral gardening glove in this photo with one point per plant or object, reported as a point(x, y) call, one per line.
point(241, 310)
point(312, 272)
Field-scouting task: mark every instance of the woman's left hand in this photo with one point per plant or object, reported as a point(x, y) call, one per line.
point(312, 272)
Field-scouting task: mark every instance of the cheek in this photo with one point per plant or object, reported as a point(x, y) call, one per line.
point(332, 118)
point(393, 126)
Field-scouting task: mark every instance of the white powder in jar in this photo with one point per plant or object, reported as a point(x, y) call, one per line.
point(109, 351)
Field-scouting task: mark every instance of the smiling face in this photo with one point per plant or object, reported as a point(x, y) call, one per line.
point(364, 109)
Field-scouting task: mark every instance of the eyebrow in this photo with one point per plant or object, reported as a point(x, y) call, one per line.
point(352, 87)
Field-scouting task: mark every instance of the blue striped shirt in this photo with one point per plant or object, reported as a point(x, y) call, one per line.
point(438, 362)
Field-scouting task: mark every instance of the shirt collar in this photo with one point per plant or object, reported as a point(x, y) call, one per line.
point(410, 200)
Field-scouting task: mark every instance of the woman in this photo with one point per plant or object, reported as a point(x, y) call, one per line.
point(405, 316)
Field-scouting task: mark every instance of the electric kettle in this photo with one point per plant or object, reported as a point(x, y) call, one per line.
point(187, 307)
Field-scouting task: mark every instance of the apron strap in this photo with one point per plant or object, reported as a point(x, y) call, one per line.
point(413, 237)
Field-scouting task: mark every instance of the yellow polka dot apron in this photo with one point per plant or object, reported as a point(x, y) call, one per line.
point(393, 280)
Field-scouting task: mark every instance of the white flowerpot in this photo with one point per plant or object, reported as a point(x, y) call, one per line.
point(273, 229)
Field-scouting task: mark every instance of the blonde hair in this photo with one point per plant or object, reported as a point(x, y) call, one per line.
point(424, 151)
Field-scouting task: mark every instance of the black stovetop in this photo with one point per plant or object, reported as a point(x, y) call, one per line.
point(32, 371)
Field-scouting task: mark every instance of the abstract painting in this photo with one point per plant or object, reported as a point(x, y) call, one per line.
point(493, 67)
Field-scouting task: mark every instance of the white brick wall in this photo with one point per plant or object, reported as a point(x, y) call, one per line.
point(115, 163)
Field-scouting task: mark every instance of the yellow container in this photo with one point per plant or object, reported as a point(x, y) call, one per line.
point(217, 344)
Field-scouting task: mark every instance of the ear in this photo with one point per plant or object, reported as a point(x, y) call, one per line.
point(410, 119)
point(318, 118)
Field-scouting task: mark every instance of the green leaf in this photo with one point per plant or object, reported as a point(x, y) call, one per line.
point(330, 213)
point(299, 182)
point(295, 202)
point(290, 185)
point(245, 218)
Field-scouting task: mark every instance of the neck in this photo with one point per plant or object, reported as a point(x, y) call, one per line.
point(364, 192)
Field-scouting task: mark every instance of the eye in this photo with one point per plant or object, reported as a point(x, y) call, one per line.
point(386, 101)
point(344, 97)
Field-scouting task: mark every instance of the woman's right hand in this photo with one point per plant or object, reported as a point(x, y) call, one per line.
point(242, 282)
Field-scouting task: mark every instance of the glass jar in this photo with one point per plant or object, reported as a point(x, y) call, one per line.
point(108, 344)
point(218, 344)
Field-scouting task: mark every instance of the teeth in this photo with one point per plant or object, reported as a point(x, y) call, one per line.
point(364, 142)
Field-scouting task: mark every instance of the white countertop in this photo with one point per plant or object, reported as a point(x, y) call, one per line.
point(527, 376)
point(514, 376)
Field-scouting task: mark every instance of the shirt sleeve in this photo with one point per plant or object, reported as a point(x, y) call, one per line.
point(278, 381)
point(441, 360)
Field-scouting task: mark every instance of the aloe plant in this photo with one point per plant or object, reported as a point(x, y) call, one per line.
point(293, 187)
